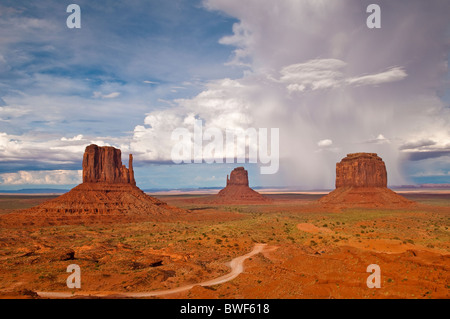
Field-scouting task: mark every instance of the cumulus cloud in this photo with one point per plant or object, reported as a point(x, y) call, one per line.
point(79, 137)
point(224, 105)
point(55, 177)
point(324, 53)
point(31, 151)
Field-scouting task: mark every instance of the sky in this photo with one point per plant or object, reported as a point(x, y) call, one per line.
point(137, 71)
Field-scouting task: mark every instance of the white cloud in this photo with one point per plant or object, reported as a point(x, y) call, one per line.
point(325, 143)
point(78, 137)
point(439, 140)
point(55, 177)
point(313, 74)
point(431, 173)
point(111, 95)
point(391, 75)
point(380, 139)
point(205, 179)
point(7, 112)
point(100, 143)
point(327, 73)
point(49, 150)
point(223, 105)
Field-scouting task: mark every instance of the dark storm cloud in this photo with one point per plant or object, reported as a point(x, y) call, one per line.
point(417, 144)
point(419, 156)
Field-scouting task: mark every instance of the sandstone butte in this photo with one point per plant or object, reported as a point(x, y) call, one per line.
point(108, 193)
point(104, 165)
point(237, 189)
point(361, 181)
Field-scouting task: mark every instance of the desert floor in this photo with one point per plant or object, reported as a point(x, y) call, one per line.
point(309, 252)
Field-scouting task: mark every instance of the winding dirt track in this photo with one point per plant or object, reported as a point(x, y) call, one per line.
point(236, 265)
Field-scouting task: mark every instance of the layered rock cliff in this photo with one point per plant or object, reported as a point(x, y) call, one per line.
point(237, 189)
point(238, 176)
point(361, 181)
point(361, 170)
point(104, 164)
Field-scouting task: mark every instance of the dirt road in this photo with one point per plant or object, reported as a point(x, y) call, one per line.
point(236, 265)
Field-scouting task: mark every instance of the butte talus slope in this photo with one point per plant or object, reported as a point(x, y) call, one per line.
point(361, 181)
point(108, 193)
point(238, 191)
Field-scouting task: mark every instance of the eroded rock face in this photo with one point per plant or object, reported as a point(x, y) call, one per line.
point(361, 170)
point(361, 181)
point(238, 176)
point(104, 165)
point(237, 189)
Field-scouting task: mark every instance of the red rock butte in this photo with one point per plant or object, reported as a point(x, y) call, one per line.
point(237, 189)
point(238, 176)
point(361, 181)
point(361, 170)
point(108, 194)
point(104, 164)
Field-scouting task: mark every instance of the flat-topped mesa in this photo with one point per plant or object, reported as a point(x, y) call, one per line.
point(361, 181)
point(103, 164)
point(238, 176)
point(361, 170)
